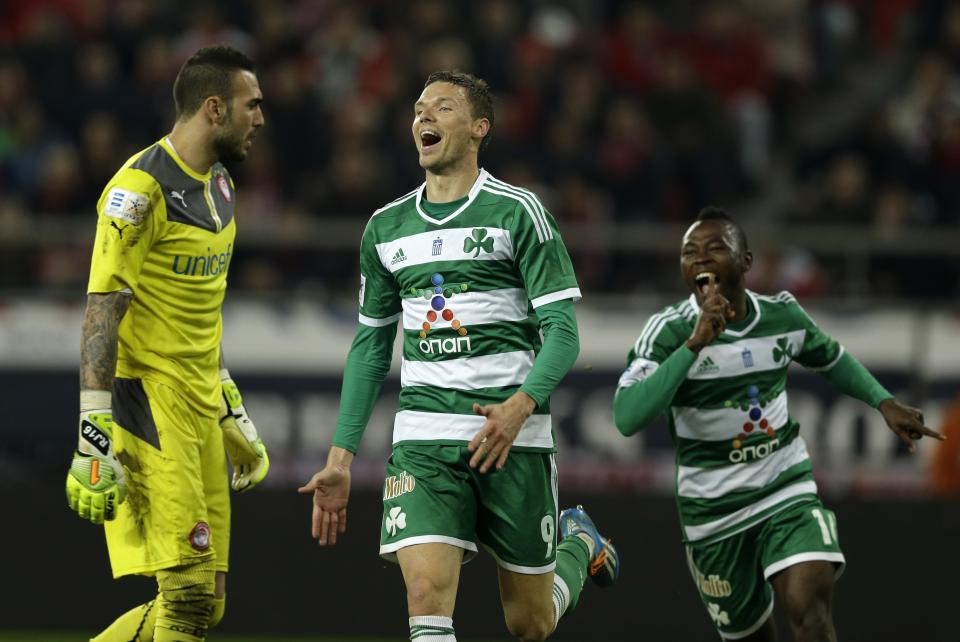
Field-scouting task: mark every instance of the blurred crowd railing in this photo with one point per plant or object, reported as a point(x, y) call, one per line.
point(814, 261)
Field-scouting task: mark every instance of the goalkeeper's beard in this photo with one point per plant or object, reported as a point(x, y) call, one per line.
point(229, 147)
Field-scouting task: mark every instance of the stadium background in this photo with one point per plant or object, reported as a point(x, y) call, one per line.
point(830, 128)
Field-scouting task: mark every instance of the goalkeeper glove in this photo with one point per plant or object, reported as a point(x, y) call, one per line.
point(247, 453)
point(96, 484)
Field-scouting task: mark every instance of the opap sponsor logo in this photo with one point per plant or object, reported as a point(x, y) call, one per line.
point(438, 294)
point(756, 421)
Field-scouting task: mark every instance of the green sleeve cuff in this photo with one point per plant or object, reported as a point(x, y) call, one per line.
point(850, 377)
point(561, 345)
point(368, 363)
point(638, 404)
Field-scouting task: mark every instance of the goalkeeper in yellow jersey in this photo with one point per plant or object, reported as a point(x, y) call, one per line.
point(157, 405)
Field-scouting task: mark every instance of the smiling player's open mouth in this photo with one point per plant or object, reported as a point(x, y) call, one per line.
point(428, 139)
point(705, 279)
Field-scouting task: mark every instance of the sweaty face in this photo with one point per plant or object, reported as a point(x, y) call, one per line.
point(443, 126)
point(710, 250)
point(243, 118)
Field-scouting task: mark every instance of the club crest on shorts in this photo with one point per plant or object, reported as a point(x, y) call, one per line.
point(395, 521)
point(200, 536)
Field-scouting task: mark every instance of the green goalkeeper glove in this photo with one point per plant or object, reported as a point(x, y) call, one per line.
point(247, 453)
point(96, 484)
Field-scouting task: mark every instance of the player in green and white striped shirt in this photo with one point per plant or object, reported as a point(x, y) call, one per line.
point(476, 270)
point(716, 364)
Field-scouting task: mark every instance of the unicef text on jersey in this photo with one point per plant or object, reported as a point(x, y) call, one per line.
point(206, 265)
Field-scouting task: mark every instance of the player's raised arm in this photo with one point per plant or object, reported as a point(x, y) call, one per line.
point(658, 363)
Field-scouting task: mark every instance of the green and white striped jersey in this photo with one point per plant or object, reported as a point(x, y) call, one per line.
point(466, 287)
point(739, 454)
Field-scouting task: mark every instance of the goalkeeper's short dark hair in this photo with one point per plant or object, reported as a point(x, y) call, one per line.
point(209, 72)
point(478, 92)
point(714, 213)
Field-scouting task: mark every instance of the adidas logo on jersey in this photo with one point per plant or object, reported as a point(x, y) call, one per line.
point(399, 257)
point(707, 365)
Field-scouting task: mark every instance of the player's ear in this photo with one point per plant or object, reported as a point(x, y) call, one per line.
point(215, 109)
point(746, 261)
point(481, 127)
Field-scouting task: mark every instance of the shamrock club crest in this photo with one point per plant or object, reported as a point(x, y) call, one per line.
point(477, 241)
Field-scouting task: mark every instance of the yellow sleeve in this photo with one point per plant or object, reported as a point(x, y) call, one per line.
point(129, 215)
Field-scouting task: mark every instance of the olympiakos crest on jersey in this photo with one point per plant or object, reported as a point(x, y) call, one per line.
point(200, 536)
point(224, 187)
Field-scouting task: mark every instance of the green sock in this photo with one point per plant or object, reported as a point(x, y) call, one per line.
point(136, 625)
point(573, 557)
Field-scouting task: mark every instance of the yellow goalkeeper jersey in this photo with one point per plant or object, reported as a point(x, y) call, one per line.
point(166, 234)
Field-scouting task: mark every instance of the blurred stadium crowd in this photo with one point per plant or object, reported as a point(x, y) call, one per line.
point(833, 112)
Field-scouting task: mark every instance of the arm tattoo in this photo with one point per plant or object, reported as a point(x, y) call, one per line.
point(98, 339)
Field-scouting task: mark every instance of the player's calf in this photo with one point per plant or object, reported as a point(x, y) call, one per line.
point(531, 626)
point(186, 602)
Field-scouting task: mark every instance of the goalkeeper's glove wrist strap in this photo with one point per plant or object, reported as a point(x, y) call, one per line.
point(95, 400)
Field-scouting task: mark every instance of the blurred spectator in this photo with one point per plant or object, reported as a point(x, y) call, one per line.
point(637, 110)
point(844, 198)
point(793, 269)
point(634, 46)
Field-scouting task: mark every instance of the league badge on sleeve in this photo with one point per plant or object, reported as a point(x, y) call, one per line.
point(126, 205)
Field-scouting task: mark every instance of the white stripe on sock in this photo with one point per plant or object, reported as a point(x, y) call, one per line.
point(432, 628)
point(561, 599)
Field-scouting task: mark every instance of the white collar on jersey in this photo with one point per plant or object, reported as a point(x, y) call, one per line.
point(472, 194)
point(735, 333)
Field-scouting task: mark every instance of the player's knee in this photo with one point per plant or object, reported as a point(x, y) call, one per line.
point(808, 612)
point(424, 596)
point(186, 600)
point(530, 625)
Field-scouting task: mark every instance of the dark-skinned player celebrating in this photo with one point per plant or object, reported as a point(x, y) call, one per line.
point(716, 364)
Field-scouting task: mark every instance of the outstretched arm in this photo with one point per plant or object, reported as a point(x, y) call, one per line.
point(850, 377)
point(368, 363)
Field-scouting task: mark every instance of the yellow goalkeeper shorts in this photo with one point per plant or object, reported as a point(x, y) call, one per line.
point(177, 509)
